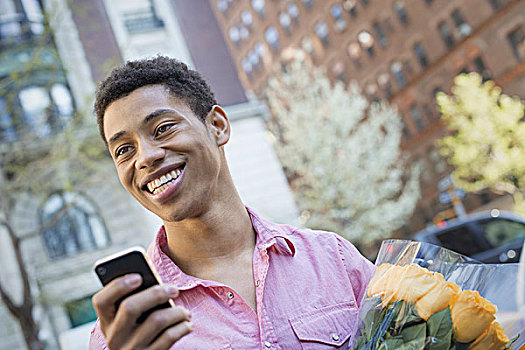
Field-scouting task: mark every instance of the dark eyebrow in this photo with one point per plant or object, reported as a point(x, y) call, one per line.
point(157, 114)
point(117, 136)
point(147, 119)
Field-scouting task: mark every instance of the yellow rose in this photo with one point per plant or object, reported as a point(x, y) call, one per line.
point(471, 315)
point(385, 281)
point(415, 283)
point(437, 299)
point(377, 285)
point(493, 338)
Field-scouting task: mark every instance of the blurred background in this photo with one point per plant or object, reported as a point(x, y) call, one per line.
point(346, 114)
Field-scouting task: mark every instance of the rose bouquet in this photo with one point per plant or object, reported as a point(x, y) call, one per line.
point(427, 297)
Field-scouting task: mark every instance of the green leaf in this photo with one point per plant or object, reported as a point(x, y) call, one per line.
point(439, 330)
point(391, 344)
point(407, 316)
point(414, 337)
point(373, 320)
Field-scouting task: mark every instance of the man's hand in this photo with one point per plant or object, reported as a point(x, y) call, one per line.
point(159, 330)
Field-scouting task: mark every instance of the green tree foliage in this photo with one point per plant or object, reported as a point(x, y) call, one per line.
point(486, 146)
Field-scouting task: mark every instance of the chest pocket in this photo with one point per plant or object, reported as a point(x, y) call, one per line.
point(329, 327)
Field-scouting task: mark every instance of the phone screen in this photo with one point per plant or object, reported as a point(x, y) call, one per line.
point(133, 261)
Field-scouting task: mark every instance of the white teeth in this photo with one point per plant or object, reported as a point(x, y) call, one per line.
point(159, 185)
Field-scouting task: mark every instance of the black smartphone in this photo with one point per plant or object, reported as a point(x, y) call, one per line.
point(132, 260)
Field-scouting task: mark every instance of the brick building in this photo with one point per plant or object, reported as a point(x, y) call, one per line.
point(400, 50)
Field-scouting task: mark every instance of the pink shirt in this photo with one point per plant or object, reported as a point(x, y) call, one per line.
point(309, 285)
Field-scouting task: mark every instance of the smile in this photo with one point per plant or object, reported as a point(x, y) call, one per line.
point(163, 182)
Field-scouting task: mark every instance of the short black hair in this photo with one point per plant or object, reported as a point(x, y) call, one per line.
point(182, 82)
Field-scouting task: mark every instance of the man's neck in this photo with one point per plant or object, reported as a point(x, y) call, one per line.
point(222, 235)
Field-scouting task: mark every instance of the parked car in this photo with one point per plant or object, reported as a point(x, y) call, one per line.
point(492, 237)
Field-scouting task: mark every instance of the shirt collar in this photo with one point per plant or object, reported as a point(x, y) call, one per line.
point(268, 233)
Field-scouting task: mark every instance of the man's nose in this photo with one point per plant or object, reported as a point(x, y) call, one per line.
point(149, 154)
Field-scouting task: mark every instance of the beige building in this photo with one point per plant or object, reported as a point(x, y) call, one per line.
point(400, 50)
point(91, 37)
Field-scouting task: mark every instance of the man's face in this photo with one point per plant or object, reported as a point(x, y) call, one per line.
point(164, 154)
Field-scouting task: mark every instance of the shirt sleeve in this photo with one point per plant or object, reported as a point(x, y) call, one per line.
point(97, 340)
point(359, 269)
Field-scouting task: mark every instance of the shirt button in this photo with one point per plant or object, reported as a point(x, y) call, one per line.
point(335, 336)
point(257, 283)
point(267, 344)
point(230, 295)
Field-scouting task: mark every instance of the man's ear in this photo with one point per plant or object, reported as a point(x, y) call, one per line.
point(220, 125)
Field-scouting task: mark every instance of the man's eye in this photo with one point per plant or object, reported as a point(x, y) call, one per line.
point(122, 150)
point(163, 128)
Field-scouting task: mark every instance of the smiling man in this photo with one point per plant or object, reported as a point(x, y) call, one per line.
point(239, 281)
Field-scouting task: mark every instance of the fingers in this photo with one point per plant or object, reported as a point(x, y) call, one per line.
point(105, 299)
point(163, 320)
point(171, 335)
point(125, 321)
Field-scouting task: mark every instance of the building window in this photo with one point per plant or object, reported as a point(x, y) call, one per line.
point(253, 57)
point(371, 92)
point(36, 104)
point(80, 311)
point(384, 82)
point(446, 34)
point(247, 19)
point(517, 42)
point(142, 20)
point(367, 42)
point(321, 29)
point(380, 34)
point(285, 21)
point(337, 14)
point(397, 71)
point(349, 6)
point(258, 6)
point(293, 11)
point(247, 66)
point(259, 49)
point(406, 133)
point(62, 100)
point(462, 26)
point(307, 45)
point(416, 117)
point(71, 225)
point(272, 38)
point(308, 3)
point(22, 21)
point(497, 4)
point(481, 68)
point(429, 114)
point(222, 5)
point(235, 34)
point(338, 70)
point(421, 55)
point(401, 11)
